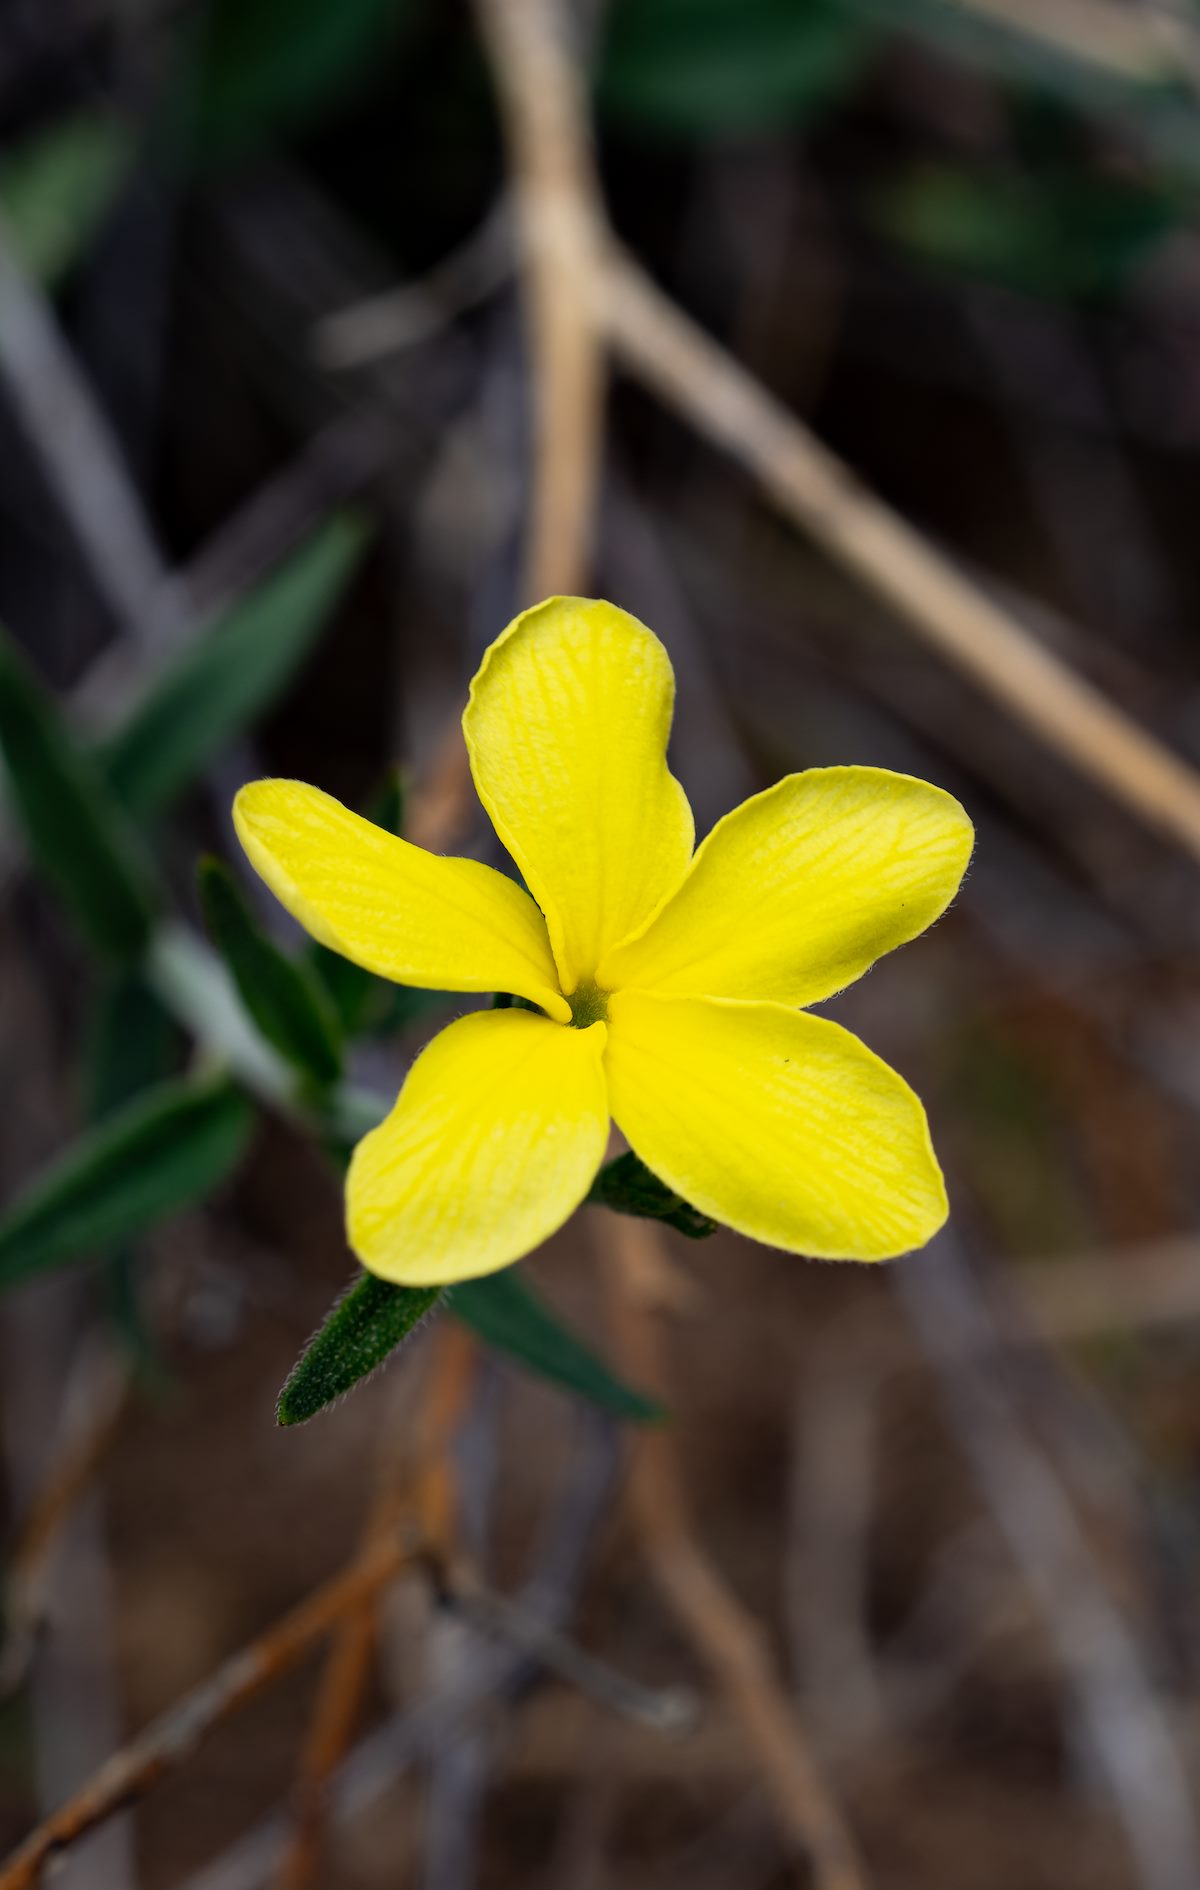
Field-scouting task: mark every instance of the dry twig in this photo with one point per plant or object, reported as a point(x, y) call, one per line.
point(812, 488)
point(729, 1640)
point(559, 216)
point(584, 289)
point(347, 1670)
point(165, 1744)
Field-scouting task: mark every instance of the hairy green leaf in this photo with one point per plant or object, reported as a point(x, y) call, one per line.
point(366, 1324)
point(282, 997)
point(510, 1316)
point(168, 1148)
point(56, 187)
point(221, 682)
point(77, 835)
point(627, 1185)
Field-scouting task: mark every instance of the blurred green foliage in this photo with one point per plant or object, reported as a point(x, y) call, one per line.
point(165, 1150)
point(76, 833)
point(283, 998)
point(504, 1312)
point(222, 681)
point(266, 66)
point(132, 1043)
point(703, 66)
point(58, 185)
point(1073, 236)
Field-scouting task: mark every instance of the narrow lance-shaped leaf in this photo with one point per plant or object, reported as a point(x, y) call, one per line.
point(282, 997)
point(367, 1324)
point(77, 835)
point(510, 1316)
point(165, 1150)
point(223, 680)
point(627, 1185)
point(132, 1044)
point(375, 1316)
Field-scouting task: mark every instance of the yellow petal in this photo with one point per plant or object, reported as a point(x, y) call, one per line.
point(567, 731)
point(798, 890)
point(782, 1125)
point(495, 1139)
point(445, 925)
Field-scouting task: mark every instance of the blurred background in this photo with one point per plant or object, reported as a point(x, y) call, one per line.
point(267, 399)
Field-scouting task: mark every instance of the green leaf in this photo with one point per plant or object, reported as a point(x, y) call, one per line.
point(365, 1325)
point(1061, 236)
point(505, 1312)
point(160, 1153)
point(265, 66)
point(627, 1185)
point(76, 833)
point(57, 186)
point(282, 997)
point(132, 1044)
point(703, 66)
point(222, 681)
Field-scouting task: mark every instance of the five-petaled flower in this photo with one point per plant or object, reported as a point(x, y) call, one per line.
point(669, 983)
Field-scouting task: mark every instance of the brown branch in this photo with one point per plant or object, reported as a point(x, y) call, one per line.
point(171, 1739)
point(347, 1672)
point(546, 126)
point(726, 1635)
point(583, 290)
point(816, 491)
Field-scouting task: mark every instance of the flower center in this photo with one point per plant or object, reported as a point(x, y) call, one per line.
point(589, 1005)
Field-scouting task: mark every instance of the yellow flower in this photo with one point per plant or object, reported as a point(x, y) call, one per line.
point(670, 981)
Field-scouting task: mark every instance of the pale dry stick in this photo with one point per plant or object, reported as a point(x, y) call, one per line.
point(171, 1739)
point(347, 1670)
point(400, 318)
point(559, 223)
point(1116, 39)
point(728, 1638)
point(570, 264)
point(816, 491)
